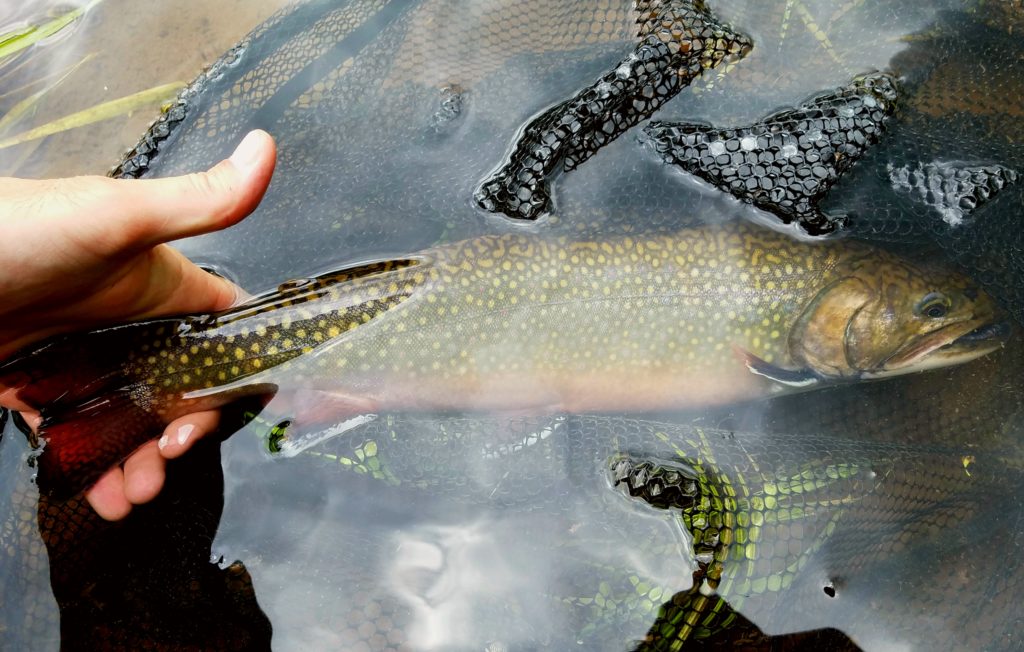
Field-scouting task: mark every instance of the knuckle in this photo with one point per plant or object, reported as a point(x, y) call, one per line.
point(214, 190)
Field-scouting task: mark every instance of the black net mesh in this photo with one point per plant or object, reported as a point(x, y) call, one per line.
point(786, 163)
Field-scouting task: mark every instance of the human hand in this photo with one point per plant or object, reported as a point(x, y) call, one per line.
point(89, 251)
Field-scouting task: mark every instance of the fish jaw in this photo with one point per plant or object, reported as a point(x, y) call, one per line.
point(953, 345)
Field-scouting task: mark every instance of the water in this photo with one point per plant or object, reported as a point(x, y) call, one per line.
point(464, 532)
point(127, 49)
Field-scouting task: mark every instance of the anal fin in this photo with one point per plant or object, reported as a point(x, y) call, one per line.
point(300, 420)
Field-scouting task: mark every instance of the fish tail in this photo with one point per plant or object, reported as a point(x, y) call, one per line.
point(94, 411)
point(68, 369)
point(83, 443)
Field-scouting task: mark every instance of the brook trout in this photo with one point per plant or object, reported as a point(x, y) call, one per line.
point(513, 323)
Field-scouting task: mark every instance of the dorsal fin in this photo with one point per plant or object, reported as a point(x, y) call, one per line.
point(301, 290)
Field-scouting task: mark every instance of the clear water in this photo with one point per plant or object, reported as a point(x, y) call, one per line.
point(422, 532)
point(117, 49)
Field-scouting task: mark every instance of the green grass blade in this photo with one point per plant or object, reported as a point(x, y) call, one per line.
point(25, 106)
point(98, 113)
point(16, 35)
point(19, 39)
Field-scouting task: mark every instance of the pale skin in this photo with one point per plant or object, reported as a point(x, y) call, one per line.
point(91, 251)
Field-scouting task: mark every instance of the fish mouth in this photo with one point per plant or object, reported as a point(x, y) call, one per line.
point(985, 334)
point(952, 345)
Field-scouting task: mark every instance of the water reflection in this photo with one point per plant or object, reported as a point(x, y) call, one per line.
point(883, 511)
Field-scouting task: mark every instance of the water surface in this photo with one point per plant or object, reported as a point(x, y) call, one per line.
point(464, 532)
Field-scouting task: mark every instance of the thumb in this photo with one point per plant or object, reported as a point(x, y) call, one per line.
point(153, 211)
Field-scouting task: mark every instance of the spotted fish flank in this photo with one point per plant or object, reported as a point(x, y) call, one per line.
point(513, 323)
point(787, 162)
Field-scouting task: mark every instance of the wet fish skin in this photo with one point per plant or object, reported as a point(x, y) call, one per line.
point(510, 323)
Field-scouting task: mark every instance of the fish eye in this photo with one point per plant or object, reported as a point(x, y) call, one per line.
point(934, 305)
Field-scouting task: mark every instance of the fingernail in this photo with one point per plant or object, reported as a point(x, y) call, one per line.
point(248, 152)
point(184, 433)
point(163, 441)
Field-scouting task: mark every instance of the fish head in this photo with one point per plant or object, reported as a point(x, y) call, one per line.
point(884, 316)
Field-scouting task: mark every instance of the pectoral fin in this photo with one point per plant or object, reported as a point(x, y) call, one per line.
point(789, 377)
